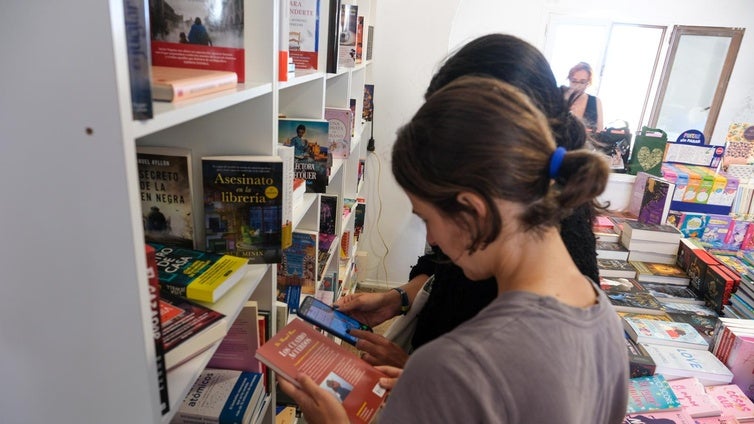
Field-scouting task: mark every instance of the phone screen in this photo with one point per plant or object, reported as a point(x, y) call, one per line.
point(334, 322)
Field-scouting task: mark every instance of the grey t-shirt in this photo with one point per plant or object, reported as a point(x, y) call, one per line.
point(523, 359)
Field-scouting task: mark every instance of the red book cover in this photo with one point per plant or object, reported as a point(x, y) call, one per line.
point(299, 348)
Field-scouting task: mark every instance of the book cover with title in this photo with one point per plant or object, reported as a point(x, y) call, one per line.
point(310, 140)
point(303, 34)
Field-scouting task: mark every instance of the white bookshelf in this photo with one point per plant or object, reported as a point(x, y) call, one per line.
point(75, 324)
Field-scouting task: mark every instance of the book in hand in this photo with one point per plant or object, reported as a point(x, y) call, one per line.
point(243, 206)
point(173, 84)
point(667, 333)
point(652, 272)
point(678, 362)
point(665, 417)
point(197, 275)
point(166, 188)
point(694, 398)
point(222, 396)
point(615, 268)
point(188, 328)
point(298, 348)
point(651, 394)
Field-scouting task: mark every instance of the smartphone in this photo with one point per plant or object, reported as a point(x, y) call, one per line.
point(331, 320)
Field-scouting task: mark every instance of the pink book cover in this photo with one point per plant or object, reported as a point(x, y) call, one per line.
point(733, 401)
point(694, 399)
point(339, 133)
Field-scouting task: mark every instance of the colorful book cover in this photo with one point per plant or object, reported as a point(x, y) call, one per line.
point(694, 398)
point(347, 39)
point(328, 215)
point(154, 304)
point(716, 230)
point(639, 361)
point(243, 206)
point(652, 272)
point(651, 394)
point(298, 347)
point(672, 293)
point(667, 333)
point(195, 274)
point(198, 35)
point(298, 266)
point(368, 107)
point(339, 132)
point(166, 188)
point(222, 396)
point(739, 142)
point(310, 140)
point(733, 401)
point(655, 203)
point(359, 39)
point(303, 39)
point(692, 224)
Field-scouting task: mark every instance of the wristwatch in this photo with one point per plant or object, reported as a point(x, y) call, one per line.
point(405, 306)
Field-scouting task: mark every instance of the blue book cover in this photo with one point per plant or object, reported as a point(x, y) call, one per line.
point(651, 393)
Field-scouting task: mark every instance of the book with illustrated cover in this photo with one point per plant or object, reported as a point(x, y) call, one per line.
point(688, 308)
point(733, 401)
point(615, 268)
point(174, 84)
point(655, 203)
point(640, 363)
point(236, 351)
point(154, 304)
point(347, 22)
point(368, 103)
point(198, 34)
point(188, 328)
point(677, 362)
point(692, 224)
point(704, 324)
point(328, 215)
point(298, 348)
point(303, 34)
point(135, 13)
point(299, 264)
point(310, 140)
point(627, 295)
point(166, 188)
point(671, 293)
point(652, 272)
point(359, 39)
point(694, 398)
point(739, 144)
point(243, 206)
point(197, 275)
point(651, 394)
point(222, 396)
point(667, 333)
point(339, 132)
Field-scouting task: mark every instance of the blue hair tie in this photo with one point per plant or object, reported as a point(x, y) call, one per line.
point(555, 161)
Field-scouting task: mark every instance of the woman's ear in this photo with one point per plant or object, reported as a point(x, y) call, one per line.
point(473, 201)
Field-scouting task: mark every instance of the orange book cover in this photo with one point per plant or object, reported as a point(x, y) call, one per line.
point(299, 348)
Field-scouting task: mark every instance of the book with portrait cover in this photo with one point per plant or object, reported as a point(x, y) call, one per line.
point(651, 394)
point(188, 328)
point(166, 188)
point(303, 34)
point(310, 140)
point(199, 34)
point(195, 274)
point(243, 206)
point(298, 348)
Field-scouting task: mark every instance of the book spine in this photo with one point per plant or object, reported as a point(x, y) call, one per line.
point(199, 87)
point(139, 58)
point(154, 305)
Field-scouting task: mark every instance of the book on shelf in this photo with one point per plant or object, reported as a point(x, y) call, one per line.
point(243, 206)
point(303, 34)
point(677, 362)
point(299, 264)
point(370, 41)
point(606, 234)
point(671, 293)
point(339, 131)
point(222, 396)
point(289, 180)
point(154, 305)
point(665, 417)
point(328, 215)
point(367, 110)
point(347, 37)
point(309, 138)
point(652, 272)
point(694, 398)
point(285, 414)
point(197, 275)
point(236, 351)
point(172, 84)
point(615, 268)
point(651, 393)
point(733, 401)
point(333, 36)
point(298, 348)
point(611, 250)
point(359, 39)
point(666, 333)
point(166, 188)
point(188, 328)
point(656, 199)
point(135, 14)
point(198, 35)
point(627, 295)
point(663, 233)
point(640, 363)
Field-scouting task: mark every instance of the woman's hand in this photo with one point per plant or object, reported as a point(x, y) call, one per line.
point(370, 308)
point(392, 373)
point(318, 405)
point(377, 350)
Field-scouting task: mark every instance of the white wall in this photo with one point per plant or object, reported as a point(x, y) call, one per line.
point(413, 37)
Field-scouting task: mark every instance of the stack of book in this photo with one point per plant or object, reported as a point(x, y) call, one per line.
point(650, 242)
point(733, 344)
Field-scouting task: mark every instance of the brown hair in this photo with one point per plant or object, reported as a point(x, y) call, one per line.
point(581, 66)
point(482, 135)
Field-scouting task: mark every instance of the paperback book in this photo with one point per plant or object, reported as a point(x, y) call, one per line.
point(677, 362)
point(236, 351)
point(154, 304)
point(694, 398)
point(611, 250)
point(733, 401)
point(640, 363)
point(310, 140)
point(348, 22)
point(666, 333)
point(664, 417)
point(652, 272)
point(195, 274)
point(174, 84)
point(655, 203)
point(243, 206)
point(136, 18)
point(299, 264)
point(672, 293)
point(627, 295)
point(651, 394)
point(198, 35)
point(663, 233)
point(615, 268)
point(339, 132)
point(298, 348)
point(166, 188)
point(303, 35)
point(224, 397)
